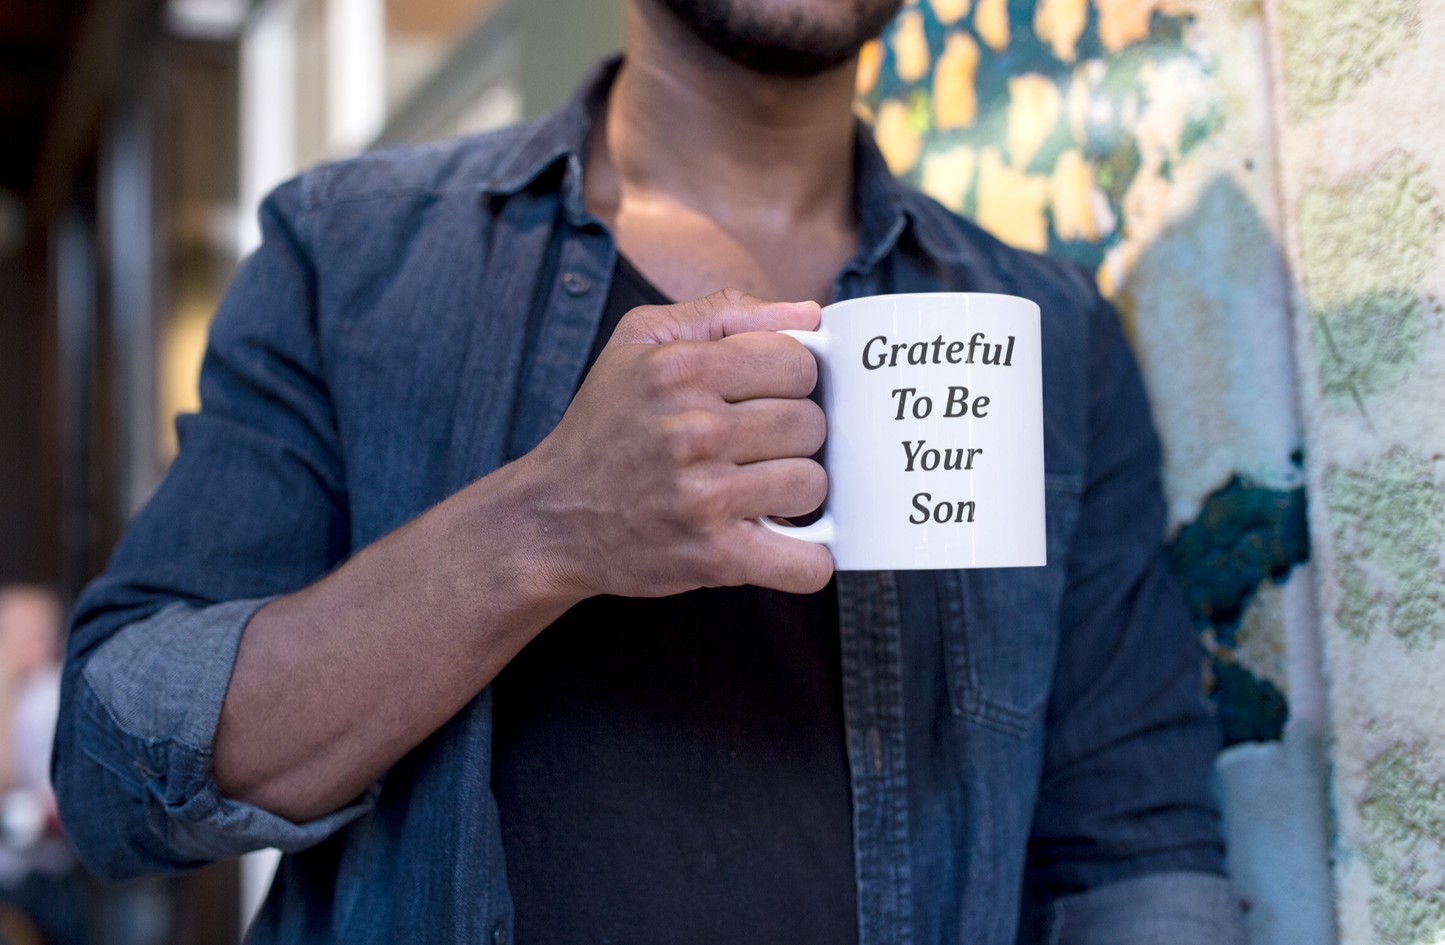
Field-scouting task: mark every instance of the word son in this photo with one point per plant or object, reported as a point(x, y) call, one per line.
point(940, 513)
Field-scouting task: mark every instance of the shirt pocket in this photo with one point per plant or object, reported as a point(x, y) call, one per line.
point(1001, 626)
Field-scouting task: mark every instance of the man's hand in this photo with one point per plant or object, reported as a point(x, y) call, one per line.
point(693, 422)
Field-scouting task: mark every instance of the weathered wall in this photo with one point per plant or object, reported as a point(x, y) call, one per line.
point(1361, 86)
point(1139, 138)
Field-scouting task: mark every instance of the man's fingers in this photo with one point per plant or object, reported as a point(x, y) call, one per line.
point(735, 312)
point(712, 318)
point(775, 429)
point(742, 367)
point(747, 432)
point(757, 364)
point(783, 487)
point(767, 559)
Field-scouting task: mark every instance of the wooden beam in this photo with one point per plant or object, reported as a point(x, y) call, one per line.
point(111, 32)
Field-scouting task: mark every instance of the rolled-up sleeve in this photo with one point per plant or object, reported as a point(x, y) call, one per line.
point(1178, 908)
point(254, 507)
point(152, 698)
point(1130, 739)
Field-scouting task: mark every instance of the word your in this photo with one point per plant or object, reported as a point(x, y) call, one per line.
point(929, 459)
point(941, 513)
point(957, 405)
point(918, 352)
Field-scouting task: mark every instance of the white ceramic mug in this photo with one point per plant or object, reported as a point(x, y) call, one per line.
point(935, 448)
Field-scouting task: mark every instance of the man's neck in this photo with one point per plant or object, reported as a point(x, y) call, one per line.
point(691, 138)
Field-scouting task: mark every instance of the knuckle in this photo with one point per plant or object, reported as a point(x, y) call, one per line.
point(641, 313)
point(690, 436)
point(670, 367)
point(640, 324)
point(700, 499)
point(652, 324)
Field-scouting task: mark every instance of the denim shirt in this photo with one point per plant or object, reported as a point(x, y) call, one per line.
point(1018, 740)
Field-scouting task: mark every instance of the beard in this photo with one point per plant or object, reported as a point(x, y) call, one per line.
point(797, 42)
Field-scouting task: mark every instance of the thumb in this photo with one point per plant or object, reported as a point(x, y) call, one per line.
point(713, 317)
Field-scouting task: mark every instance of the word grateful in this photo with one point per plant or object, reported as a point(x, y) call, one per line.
point(918, 352)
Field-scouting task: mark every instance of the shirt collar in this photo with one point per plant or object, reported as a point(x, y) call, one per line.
point(561, 137)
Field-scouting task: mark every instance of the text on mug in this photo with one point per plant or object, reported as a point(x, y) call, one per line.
point(929, 459)
point(917, 352)
point(941, 513)
point(957, 405)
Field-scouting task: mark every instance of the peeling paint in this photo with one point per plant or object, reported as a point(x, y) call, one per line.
point(1389, 523)
point(1259, 643)
point(1368, 244)
point(910, 46)
point(1204, 304)
point(948, 176)
point(955, 103)
point(1245, 538)
point(1333, 46)
point(1404, 817)
point(1135, 138)
point(1243, 535)
point(990, 20)
point(1045, 82)
point(1060, 23)
point(896, 138)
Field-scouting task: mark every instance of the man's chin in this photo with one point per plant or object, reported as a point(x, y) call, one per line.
point(800, 39)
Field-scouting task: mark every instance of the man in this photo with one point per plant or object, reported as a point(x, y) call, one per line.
point(326, 632)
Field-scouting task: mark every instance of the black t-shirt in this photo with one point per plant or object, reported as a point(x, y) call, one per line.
point(674, 769)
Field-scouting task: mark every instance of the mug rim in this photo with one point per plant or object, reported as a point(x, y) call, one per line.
point(835, 306)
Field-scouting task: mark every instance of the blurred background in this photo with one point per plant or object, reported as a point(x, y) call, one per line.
point(1256, 184)
point(137, 138)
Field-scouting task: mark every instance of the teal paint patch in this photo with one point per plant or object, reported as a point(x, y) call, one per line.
point(1116, 169)
point(1250, 709)
point(1389, 520)
point(1197, 130)
point(1245, 534)
point(1404, 819)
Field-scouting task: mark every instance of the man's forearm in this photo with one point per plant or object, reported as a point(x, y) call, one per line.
point(335, 683)
point(649, 486)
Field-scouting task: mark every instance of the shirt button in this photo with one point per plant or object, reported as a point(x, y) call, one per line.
point(576, 284)
point(499, 934)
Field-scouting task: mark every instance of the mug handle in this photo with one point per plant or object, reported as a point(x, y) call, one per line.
point(821, 531)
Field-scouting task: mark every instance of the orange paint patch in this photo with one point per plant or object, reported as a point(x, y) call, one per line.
point(955, 101)
point(911, 58)
point(1123, 22)
point(870, 63)
point(991, 21)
